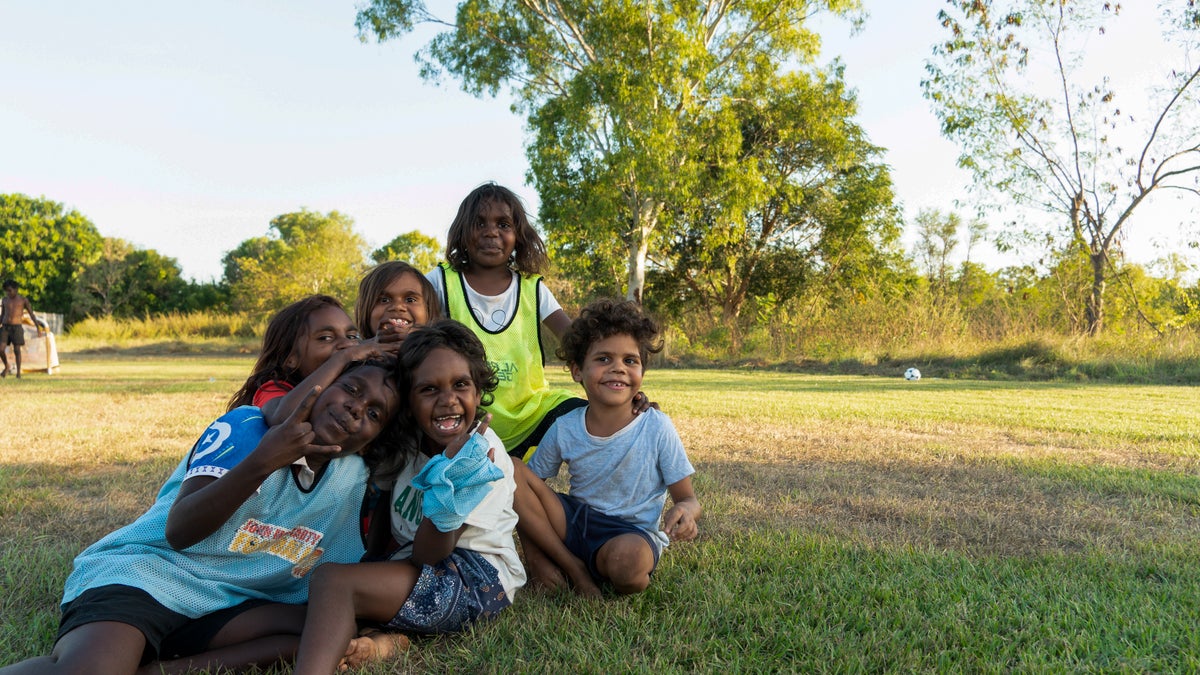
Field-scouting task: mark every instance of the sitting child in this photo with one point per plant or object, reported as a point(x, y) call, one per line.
point(450, 509)
point(622, 464)
point(233, 532)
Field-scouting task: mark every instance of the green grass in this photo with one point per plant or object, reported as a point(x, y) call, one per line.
point(852, 523)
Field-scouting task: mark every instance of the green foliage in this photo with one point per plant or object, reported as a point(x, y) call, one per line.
point(799, 195)
point(1036, 135)
point(305, 253)
point(126, 281)
point(630, 106)
point(44, 248)
point(415, 248)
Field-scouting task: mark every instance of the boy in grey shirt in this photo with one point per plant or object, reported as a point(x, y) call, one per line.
point(622, 464)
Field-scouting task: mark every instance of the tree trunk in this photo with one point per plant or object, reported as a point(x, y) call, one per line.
point(1095, 304)
point(645, 218)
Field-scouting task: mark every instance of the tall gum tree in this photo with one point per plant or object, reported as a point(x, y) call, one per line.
point(622, 97)
point(1011, 84)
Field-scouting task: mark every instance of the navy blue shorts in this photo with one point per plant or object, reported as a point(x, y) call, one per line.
point(169, 634)
point(588, 530)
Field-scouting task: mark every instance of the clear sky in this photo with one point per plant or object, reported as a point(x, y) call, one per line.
point(185, 128)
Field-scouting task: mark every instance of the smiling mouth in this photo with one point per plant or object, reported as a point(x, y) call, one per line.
point(398, 323)
point(448, 423)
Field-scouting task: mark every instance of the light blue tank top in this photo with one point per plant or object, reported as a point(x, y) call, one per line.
point(265, 550)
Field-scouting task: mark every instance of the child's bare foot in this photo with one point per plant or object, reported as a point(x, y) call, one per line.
point(372, 646)
point(581, 579)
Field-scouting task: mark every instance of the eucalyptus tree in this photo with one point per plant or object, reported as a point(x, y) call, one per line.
point(804, 186)
point(623, 99)
point(1013, 84)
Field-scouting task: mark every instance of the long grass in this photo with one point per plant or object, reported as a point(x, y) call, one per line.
point(853, 523)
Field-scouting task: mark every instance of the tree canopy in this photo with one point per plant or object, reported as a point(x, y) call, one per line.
point(629, 103)
point(415, 248)
point(44, 247)
point(304, 252)
point(1010, 87)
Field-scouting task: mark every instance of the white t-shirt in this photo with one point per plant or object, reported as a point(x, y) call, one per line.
point(494, 312)
point(490, 525)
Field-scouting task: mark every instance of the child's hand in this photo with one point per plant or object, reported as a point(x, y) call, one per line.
point(455, 445)
point(642, 403)
point(293, 438)
point(394, 332)
point(368, 348)
point(680, 524)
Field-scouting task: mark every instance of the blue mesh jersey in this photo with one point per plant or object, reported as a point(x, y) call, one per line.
point(265, 550)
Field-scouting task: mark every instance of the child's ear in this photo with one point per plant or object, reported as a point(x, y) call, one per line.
point(292, 361)
point(576, 372)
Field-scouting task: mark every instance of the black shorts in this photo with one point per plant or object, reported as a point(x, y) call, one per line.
point(13, 335)
point(169, 634)
point(588, 530)
point(521, 449)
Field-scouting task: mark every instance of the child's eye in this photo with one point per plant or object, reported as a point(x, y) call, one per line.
point(374, 414)
point(354, 335)
point(383, 300)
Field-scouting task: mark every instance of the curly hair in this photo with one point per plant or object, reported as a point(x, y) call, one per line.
point(605, 318)
point(529, 256)
point(283, 331)
point(420, 343)
point(376, 281)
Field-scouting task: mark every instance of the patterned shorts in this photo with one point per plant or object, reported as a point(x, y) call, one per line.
point(451, 595)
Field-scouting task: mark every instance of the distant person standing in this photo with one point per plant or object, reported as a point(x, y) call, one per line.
point(12, 307)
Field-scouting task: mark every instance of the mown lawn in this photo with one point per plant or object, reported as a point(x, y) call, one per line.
point(852, 523)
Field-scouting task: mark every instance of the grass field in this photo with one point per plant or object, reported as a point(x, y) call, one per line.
point(852, 523)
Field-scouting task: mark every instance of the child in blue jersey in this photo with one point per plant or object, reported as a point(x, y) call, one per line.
point(234, 531)
point(621, 465)
point(450, 509)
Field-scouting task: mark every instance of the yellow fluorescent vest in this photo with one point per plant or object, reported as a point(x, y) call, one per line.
point(515, 353)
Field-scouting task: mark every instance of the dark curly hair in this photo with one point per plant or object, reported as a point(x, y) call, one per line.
point(420, 343)
point(529, 255)
point(283, 331)
point(605, 318)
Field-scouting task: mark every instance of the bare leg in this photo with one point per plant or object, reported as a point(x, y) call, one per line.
point(17, 358)
point(3, 358)
point(104, 648)
point(264, 636)
point(542, 525)
point(340, 594)
point(627, 560)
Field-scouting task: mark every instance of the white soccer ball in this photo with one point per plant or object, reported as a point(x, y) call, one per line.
point(912, 374)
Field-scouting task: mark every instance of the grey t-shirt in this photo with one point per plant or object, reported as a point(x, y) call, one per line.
point(624, 475)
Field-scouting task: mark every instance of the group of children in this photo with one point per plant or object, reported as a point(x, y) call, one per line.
point(360, 485)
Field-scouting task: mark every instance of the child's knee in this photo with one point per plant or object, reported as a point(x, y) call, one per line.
point(331, 576)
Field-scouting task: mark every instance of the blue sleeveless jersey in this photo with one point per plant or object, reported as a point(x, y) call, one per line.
point(265, 550)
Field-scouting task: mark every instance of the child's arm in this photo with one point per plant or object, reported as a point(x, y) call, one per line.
point(680, 521)
point(204, 503)
point(279, 409)
point(431, 545)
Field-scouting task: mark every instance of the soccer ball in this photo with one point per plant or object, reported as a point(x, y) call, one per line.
point(912, 374)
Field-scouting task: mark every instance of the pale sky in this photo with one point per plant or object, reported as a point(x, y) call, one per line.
point(185, 128)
